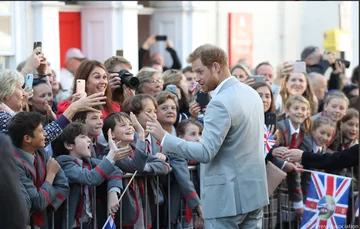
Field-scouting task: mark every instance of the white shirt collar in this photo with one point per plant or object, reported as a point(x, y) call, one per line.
point(217, 89)
point(7, 109)
point(315, 147)
point(292, 129)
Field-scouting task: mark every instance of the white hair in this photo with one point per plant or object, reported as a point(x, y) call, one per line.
point(9, 79)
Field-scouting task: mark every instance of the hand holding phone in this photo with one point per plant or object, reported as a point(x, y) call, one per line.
point(29, 78)
point(202, 99)
point(161, 38)
point(80, 86)
point(38, 44)
point(270, 119)
point(258, 79)
point(299, 67)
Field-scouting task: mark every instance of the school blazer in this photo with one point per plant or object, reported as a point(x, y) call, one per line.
point(293, 179)
point(79, 175)
point(233, 178)
point(47, 195)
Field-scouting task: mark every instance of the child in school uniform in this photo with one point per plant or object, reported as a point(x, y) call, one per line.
point(140, 105)
point(93, 123)
point(335, 107)
point(72, 149)
point(293, 127)
point(123, 127)
point(191, 130)
point(41, 176)
point(321, 132)
point(350, 128)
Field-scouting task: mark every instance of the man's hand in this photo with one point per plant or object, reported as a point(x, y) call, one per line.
point(154, 128)
point(293, 155)
point(339, 67)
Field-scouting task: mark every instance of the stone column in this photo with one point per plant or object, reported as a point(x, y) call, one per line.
point(108, 26)
point(46, 29)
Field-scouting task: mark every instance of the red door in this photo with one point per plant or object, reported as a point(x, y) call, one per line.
point(70, 32)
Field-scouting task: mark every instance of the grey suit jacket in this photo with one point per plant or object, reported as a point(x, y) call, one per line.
point(233, 179)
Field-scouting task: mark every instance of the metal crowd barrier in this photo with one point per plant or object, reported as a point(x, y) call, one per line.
point(192, 169)
point(273, 218)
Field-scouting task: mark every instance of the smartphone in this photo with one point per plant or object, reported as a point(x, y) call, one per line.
point(270, 119)
point(29, 78)
point(202, 99)
point(258, 79)
point(171, 88)
point(80, 86)
point(161, 38)
point(38, 44)
point(299, 67)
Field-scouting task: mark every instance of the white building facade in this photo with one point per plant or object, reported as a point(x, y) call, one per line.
point(279, 30)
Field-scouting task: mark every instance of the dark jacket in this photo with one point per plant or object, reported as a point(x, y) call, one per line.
point(336, 160)
point(176, 61)
point(13, 195)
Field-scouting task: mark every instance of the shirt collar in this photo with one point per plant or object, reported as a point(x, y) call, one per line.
point(26, 156)
point(7, 109)
point(315, 147)
point(217, 89)
point(292, 129)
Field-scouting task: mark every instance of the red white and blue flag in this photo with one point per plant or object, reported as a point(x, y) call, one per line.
point(269, 141)
point(109, 224)
point(327, 202)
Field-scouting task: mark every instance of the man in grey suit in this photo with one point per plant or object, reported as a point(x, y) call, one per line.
point(233, 179)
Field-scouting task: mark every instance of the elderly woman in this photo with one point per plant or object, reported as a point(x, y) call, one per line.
point(150, 82)
point(11, 102)
point(177, 78)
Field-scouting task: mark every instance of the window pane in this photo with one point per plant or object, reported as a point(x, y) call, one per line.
point(5, 7)
point(4, 62)
point(5, 34)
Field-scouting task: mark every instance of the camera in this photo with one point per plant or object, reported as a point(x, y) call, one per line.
point(128, 79)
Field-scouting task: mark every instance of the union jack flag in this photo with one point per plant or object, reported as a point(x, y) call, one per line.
point(109, 224)
point(327, 203)
point(268, 140)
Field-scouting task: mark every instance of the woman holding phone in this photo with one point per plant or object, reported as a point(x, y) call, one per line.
point(93, 78)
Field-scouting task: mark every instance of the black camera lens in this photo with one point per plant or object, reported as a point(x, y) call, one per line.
point(128, 79)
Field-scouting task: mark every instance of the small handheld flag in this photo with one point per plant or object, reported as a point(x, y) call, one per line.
point(109, 224)
point(269, 141)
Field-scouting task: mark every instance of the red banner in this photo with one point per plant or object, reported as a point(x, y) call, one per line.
point(240, 38)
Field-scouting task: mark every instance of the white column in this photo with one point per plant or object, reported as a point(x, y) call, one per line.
point(355, 34)
point(46, 29)
point(110, 26)
point(182, 22)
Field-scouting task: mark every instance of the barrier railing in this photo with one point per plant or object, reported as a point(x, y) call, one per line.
point(271, 220)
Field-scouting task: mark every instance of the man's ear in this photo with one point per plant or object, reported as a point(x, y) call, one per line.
point(68, 146)
point(216, 67)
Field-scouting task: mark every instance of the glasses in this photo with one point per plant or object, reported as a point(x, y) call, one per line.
point(155, 81)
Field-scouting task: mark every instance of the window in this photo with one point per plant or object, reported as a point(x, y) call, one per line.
point(4, 62)
point(6, 29)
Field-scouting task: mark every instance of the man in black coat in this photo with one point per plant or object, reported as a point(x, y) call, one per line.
point(337, 160)
point(13, 211)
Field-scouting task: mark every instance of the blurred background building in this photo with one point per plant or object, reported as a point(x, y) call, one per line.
point(257, 31)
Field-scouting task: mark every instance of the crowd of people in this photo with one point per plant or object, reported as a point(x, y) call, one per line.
point(63, 144)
